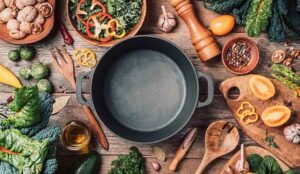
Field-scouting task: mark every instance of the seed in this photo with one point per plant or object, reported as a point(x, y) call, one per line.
point(156, 166)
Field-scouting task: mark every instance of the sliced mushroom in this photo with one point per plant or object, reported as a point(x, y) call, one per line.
point(45, 9)
point(26, 27)
point(28, 14)
point(292, 133)
point(17, 34)
point(37, 28)
point(2, 5)
point(9, 3)
point(28, 2)
point(39, 19)
point(7, 14)
point(19, 4)
point(13, 24)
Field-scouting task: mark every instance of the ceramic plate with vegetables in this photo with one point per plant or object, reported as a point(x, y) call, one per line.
point(26, 21)
point(104, 23)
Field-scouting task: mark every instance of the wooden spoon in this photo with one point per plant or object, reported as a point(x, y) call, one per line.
point(220, 138)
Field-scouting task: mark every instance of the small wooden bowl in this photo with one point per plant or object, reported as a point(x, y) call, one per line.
point(31, 38)
point(254, 56)
point(133, 31)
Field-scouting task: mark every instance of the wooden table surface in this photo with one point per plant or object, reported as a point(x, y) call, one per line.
point(202, 117)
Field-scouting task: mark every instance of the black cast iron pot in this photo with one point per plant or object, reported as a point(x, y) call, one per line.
point(144, 89)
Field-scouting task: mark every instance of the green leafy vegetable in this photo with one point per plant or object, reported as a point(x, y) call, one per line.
point(258, 16)
point(298, 5)
point(50, 133)
point(240, 14)
point(224, 6)
point(275, 30)
point(254, 161)
point(282, 6)
point(290, 172)
point(292, 18)
point(31, 153)
point(39, 71)
point(133, 163)
point(272, 165)
point(26, 105)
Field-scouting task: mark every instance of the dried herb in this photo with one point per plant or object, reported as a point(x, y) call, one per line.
point(159, 154)
point(224, 6)
point(270, 140)
point(240, 14)
point(258, 16)
point(133, 163)
point(60, 103)
point(275, 30)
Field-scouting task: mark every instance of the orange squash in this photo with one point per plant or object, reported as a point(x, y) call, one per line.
point(261, 87)
point(275, 116)
point(222, 25)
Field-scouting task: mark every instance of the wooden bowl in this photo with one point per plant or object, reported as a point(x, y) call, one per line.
point(133, 31)
point(253, 60)
point(29, 39)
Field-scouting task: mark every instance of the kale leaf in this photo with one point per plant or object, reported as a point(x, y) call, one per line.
point(223, 7)
point(275, 29)
point(254, 161)
point(258, 17)
point(240, 13)
point(133, 163)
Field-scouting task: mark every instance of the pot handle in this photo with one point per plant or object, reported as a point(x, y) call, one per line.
point(210, 90)
point(79, 96)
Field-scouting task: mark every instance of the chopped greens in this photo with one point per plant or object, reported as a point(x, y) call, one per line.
point(270, 140)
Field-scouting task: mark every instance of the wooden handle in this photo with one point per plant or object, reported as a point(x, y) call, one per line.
point(96, 128)
point(204, 163)
point(202, 39)
point(184, 147)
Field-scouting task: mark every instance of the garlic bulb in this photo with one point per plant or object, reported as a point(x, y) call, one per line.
point(166, 21)
point(292, 133)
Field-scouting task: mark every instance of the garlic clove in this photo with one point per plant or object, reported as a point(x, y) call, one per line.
point(166, 21)
point(156, 166)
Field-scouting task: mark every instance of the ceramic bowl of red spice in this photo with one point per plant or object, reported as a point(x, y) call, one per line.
point(240, 55)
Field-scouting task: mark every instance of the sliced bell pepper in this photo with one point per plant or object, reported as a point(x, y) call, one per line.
point(98, 20)
point(80, 12)
point(113, 33)
point(85, 57)
point(249, 117)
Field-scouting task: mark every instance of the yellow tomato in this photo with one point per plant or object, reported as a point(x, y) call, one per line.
point(222, 25)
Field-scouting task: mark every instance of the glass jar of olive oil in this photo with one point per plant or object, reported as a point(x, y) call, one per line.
point(76, 136)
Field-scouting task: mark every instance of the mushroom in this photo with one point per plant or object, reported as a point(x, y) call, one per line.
point(39, 19)
point(13, 24)
point(37, 28)
point(26, 27)
point(7, 14)
point(28, 2)
point(9, 3)
point(28, 14)
point(2, 5)
point(16, 34)
point(292, 133)
point(19, 4)
point(45, 9)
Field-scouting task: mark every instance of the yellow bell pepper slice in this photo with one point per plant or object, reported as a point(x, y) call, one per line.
point(118, 25)
point(85, 57)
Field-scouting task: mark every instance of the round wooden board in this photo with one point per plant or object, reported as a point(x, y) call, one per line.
point(29, 39)
point(248, 151)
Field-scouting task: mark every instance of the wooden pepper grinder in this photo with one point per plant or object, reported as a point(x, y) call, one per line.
point(202, 39)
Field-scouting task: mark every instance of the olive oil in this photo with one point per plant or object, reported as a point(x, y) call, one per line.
point(76, 136)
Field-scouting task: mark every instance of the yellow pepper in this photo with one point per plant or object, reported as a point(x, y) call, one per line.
point(8, 78)
point(245, 106)
point(114, 33)
point(85, 57)
point(246, 113)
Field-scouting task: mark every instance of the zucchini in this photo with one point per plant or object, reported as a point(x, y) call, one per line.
point(87, 165)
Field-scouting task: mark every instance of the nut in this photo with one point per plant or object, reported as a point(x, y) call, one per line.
point(45, 9)
point(288, 61)
point(156, 166)
point(278, 56)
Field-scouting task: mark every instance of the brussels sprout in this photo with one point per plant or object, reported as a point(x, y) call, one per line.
point(39, 71)
point(14, 55)
point(27, 52)
point(25, 73)
point(44, 85)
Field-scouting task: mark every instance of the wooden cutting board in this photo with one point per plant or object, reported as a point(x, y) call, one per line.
point(248, 151)
point(287, 152)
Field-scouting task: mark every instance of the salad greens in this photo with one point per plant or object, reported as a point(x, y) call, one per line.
point(30, 153)
point(133, 163)
point(265, 165)
point(26, 105)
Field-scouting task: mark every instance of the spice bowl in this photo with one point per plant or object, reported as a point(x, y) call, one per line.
point(240, 55)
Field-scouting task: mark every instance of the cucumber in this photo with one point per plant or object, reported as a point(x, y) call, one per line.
point(87, 165)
